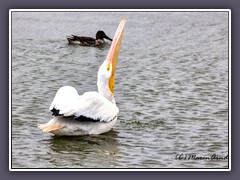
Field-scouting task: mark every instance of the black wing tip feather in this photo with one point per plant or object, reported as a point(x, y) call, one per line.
point(55, 112)
point(86, 119)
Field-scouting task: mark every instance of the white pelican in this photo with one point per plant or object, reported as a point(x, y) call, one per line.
point(92, 112)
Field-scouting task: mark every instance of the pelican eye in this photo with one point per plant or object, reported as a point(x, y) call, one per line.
point(108, 67)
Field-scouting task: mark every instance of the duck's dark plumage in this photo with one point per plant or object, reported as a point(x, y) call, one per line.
point(89, 41)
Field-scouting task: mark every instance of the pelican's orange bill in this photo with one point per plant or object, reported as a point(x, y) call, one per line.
point(113, 53)
point(116, 43)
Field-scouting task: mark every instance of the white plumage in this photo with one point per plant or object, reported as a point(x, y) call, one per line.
point(92, 112)
point(91, 105)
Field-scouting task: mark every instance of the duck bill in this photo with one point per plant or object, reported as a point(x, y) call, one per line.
point(113, 53)
point(106, 37)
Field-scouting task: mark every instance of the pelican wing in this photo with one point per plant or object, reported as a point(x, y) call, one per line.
point(64, 97)
point(91, 105)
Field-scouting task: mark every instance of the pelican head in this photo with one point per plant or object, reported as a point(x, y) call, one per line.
point(106, 72)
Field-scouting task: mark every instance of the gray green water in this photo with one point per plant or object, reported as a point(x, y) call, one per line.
point(171, 88)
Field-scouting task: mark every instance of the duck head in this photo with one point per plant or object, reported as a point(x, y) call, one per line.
point(101, 35)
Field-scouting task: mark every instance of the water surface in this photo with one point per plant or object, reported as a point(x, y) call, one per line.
point(171, 88)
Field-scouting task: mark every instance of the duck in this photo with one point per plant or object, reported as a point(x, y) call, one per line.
point(88, 41)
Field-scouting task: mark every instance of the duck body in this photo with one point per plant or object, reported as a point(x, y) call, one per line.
point(88, 41)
